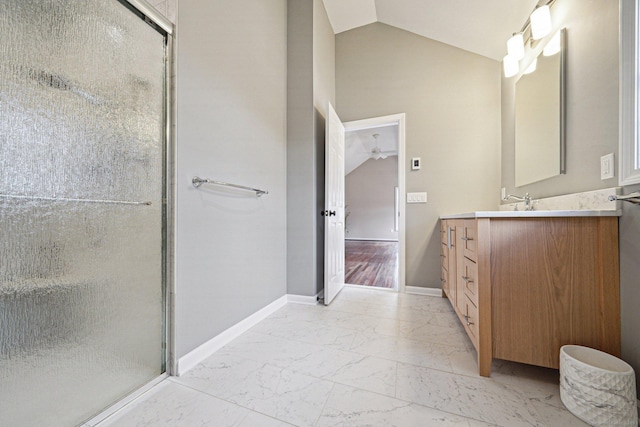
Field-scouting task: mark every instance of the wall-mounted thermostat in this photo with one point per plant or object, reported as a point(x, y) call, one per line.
point(415, 163)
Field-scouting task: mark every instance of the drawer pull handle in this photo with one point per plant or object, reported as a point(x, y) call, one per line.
point(467, 279)
point(466, 318)
point(467, 238)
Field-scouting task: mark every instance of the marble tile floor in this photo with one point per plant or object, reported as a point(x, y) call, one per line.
point(372, 358)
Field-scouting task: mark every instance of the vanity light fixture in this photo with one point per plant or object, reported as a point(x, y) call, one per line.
point(540, 22)
point(539, 26)
point(515, 46)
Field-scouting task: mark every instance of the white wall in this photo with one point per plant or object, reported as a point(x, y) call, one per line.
point(231, 126)
point(452, 103)
point(370, 199)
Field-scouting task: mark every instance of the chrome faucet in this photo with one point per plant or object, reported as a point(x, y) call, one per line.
point(527, 199)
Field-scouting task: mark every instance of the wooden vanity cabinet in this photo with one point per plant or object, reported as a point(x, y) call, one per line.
point(525, 286)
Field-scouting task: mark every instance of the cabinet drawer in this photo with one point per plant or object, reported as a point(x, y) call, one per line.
point(469, 276)
point(444, 275)
point(444, 257)
point(469, 240)
point(470, 319)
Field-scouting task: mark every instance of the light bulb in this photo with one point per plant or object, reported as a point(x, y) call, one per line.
point(515, 46)
point(510, 66)
point(540, 22)
point(553, 46)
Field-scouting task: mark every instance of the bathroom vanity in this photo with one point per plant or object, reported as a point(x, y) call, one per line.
point(525, 283)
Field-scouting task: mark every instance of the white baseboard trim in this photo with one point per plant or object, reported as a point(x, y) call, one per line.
point(370, 239)
point(303, 299)
point(432, 292)
point(191, 359)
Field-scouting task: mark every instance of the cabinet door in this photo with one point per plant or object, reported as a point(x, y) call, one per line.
point(555, 281)
point(470, 319)
point(469, 240)
point(469, 276)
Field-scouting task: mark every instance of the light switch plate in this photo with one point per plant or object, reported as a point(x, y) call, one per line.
point(417, 197)
point(415, 163)
point(607, 167)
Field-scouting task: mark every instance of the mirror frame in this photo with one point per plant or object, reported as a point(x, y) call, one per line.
point(629, 145)
point(562, 140)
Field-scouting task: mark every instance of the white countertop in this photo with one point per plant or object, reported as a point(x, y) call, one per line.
point(533, 214)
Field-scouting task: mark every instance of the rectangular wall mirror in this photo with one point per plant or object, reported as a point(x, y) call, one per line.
point(540, 117)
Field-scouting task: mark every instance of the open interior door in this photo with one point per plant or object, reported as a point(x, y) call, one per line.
point(334, 206)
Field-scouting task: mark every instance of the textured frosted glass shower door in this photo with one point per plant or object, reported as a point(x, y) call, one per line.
point(81, 217)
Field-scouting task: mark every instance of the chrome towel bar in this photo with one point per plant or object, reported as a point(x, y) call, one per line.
point(631, 198)
point(65, 199)
point(197, 182)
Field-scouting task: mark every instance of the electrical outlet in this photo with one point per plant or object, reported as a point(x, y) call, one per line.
point(607, 167)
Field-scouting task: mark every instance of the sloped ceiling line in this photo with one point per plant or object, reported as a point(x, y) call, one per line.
point(481, 27)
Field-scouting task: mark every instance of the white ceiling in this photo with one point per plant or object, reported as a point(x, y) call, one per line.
point(359, 143)
point(479, 26)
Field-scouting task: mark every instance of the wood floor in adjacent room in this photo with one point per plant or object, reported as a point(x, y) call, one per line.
point(371, 263)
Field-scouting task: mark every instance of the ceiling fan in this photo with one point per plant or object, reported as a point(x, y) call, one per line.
point(377, 153)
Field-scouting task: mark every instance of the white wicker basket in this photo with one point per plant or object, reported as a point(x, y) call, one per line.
point(597, 387)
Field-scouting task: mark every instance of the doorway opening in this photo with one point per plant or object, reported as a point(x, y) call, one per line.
point(374, 218)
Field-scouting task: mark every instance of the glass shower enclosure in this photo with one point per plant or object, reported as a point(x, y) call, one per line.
point(82, 217)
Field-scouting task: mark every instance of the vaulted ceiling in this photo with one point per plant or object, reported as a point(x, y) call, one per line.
point(359, 145)
point(481, 27)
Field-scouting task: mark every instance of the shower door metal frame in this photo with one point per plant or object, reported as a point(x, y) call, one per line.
point(153, 17)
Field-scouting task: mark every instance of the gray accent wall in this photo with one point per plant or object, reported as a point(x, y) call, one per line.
point(451, 98)
point(592, 131)
point(310, 85)
point(370, 200)
point(231, 126)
